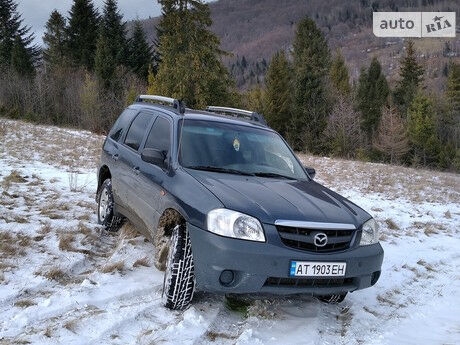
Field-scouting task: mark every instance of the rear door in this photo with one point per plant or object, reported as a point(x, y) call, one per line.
point(112, 148)
point(152, 177)
point(129, 161)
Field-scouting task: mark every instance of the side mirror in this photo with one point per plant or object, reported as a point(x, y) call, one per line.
point(310, 171)
point(155, 157)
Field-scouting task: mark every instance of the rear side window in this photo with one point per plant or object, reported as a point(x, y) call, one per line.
point(159, 137)
point(137, 130)
point(122, 124)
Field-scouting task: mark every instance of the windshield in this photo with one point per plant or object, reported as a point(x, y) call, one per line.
point(230, 148)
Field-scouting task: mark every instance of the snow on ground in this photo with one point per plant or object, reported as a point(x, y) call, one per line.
point(64, 280)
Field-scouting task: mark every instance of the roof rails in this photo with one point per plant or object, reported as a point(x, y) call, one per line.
point(175, 103)
point(253, 116)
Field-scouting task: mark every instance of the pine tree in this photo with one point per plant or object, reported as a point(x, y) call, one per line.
point(422, 130)
point(111, 49)
point(82, 33)
point(255, 100)
point(449, 118)
point(372, 95)
point(190, 67)
point(16, 48)
point(392, 139)
point(453, 88)
point(104, 63)
point(151, 87)
point(113, 29)
point(339, 74)
point(411, 74)
point(55, 39)
point(278, 99)
point(311, 62)
point(140, 53)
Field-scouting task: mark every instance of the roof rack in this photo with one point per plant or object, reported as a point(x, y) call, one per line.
point(252, 115)
point(175, 103)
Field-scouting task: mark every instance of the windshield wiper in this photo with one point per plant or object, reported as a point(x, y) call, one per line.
point(270, 174)
point(221, 170)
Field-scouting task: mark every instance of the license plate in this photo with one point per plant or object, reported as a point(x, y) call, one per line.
point(317, 269)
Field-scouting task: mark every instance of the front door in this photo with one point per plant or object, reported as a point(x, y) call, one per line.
point(129, 162)
point(152, 177)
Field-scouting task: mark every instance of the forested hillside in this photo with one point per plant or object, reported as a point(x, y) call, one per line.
point(315, 70)
point(253, 30)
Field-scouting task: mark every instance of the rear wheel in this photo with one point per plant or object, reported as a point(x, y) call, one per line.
point(179, 278)
point(105, 212)
point(332, 299)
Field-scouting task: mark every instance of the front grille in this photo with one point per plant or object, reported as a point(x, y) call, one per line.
point(307, 282)
point(303, 238)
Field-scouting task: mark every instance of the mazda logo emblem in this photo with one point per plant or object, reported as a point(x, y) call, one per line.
point(320, 239)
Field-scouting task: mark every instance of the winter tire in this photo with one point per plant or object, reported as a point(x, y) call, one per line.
point(332, 299)
point(179, 278)
point(105, 214)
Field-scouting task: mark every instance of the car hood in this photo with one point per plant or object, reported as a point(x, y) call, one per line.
point(270, 199)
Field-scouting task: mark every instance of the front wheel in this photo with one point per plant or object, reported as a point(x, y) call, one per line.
point(105, 213)
point(179, 278)
point(332, 299)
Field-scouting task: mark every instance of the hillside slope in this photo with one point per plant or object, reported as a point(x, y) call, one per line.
point(255, 29)
point(63, 280)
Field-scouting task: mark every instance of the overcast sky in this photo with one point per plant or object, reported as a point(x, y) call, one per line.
point(36, 12)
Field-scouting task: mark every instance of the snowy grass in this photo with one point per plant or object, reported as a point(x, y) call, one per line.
point(64, 280)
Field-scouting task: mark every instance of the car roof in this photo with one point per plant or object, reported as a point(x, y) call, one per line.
point(202, 115)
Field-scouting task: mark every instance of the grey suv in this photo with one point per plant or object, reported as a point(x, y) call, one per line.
point(229, 207)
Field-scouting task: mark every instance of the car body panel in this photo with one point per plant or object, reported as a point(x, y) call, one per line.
point(271, 199)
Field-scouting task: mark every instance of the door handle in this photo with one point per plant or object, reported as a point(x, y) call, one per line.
point(136, 170)
point(115, 156)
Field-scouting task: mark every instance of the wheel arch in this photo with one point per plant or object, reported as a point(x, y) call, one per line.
point(104, 174)
point(170, 217)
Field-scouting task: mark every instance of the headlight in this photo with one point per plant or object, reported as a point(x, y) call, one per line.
point(370, 233)
point(235, 224)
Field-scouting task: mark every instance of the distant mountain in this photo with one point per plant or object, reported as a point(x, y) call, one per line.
point(252, 30)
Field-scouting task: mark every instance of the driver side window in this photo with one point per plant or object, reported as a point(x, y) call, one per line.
point(160, 136)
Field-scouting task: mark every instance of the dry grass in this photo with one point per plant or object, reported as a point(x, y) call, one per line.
point(24, 303)
point(391, 224)
point(66, 242)
point(71, 325)
point(20, 220)
point(45, 229)
point(423, 263)
point(85, 204)
point(213, 336)
point(50, 213)
point(415, 185)
point(142, 262)
point(13, 245)
point(128, 231)
point(13, 177)
point(114, 267)
point(85, 230)
point(55, 274)
point(76, 149)
point(83, 217)
point(48, 332)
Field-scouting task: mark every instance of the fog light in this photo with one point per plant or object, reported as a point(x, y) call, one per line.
point(226, 277)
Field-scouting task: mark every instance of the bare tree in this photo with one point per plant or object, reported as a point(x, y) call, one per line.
point(343, 131)
point(392, 139)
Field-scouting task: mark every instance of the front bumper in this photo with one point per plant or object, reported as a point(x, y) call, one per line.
point(264, 267)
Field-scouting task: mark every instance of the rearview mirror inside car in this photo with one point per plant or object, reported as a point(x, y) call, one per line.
point(310, 171)
point(155, 157)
